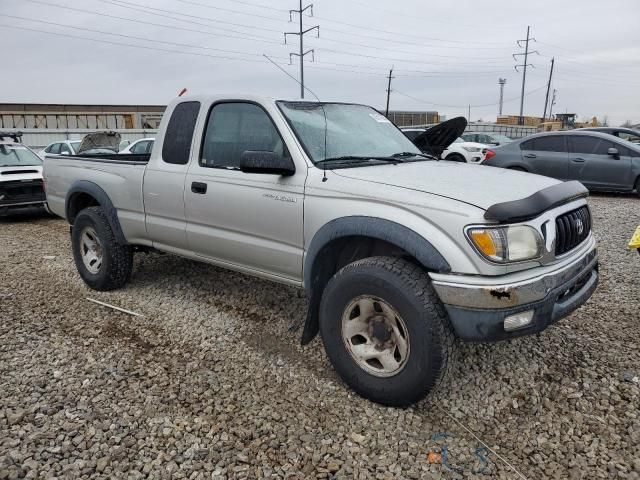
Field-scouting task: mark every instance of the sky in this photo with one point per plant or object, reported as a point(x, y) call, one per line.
point(445, 55)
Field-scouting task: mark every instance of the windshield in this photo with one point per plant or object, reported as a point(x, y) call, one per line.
point(459, 140)
point(17, 156)
point(75, 145)
point(352, 131)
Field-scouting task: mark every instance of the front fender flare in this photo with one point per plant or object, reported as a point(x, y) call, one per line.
point(316, 274)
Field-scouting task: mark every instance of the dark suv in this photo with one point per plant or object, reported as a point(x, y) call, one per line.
point(598, 160)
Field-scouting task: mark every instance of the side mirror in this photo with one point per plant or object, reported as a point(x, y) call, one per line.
point(64, 153)
point(258, 161)
point(613, 152)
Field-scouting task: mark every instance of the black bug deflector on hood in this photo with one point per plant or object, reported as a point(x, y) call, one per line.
point(539, 202)
point(436, 139)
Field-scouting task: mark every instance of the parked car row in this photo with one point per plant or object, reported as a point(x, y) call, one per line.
point(72, 147)
point(603, 158)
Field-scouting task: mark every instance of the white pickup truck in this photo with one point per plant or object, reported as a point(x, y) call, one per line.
point(399, 253)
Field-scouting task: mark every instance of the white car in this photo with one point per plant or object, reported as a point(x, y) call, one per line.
point(21, 185)
point(458, 151)
point(144, 145)
point(62, 147)
point(462, 151)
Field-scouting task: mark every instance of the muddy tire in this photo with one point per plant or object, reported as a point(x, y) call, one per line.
point(385, 330)
point(102, 262)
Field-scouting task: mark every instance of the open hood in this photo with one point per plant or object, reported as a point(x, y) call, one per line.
point(108, 140)
point(436, 139)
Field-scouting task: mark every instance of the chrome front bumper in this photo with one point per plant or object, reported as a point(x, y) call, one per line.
point(478, 306)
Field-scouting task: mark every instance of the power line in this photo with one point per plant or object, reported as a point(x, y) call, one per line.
point(420, 74)
point(465, 106)
point(145, 9)
point(182, 52)
point(145, 47)
point(260, 39)
point(143, 22)
point(154, 40)
point(394, 33)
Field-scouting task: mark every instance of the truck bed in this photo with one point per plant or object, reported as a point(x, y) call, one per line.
point(120, 177)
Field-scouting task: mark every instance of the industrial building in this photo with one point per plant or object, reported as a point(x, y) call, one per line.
point(42, 124)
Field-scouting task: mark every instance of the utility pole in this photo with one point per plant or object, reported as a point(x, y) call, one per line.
point(501, 82)
point(546, 98)
point(553, 102)
point(469, 115)
point(386, 112)
point(524, 72)
point(301, 33)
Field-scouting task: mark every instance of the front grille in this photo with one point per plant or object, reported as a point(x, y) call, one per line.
point(572, 228)
point(21, 192)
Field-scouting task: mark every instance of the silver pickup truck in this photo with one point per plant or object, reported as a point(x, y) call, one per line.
point(399, 253)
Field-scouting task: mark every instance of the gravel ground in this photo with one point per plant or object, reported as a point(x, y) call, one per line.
point(210, 382)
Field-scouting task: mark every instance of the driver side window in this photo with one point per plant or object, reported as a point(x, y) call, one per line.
point(233, 128)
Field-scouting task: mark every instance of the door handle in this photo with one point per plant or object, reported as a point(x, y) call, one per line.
point(530, 155)
point(199, 187)
point(578, 160)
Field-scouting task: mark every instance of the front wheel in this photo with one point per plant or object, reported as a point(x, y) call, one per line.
point(385, 330)
point(102, 262)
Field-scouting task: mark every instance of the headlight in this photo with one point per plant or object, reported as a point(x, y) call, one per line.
point(472, 149)
point(507, 244)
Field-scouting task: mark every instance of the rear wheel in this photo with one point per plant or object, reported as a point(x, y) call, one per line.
point(456, 157)
point(385, 330)
point(102, 262)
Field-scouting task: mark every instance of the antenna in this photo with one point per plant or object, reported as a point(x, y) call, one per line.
point(324, 113)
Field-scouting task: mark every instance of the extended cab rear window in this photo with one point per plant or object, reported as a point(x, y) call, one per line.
point(177, 139)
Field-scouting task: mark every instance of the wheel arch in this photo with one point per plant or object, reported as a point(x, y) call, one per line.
point(347, 239)
point(456, 157)
point(83, 194)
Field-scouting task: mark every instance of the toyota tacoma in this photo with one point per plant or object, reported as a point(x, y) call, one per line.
point(399, 253)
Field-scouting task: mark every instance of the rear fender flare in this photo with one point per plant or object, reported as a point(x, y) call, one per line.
point(90, 188)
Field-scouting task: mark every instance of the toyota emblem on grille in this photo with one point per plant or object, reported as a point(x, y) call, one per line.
point(579, 226)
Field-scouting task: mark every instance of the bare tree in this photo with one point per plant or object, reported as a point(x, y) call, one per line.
point(627, 124)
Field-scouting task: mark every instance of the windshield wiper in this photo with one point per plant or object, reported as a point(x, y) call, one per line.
point(411, 154)
point(361, 158)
